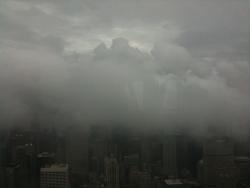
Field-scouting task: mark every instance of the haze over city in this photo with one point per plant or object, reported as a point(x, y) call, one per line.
point(173, 66)
point(124, 61)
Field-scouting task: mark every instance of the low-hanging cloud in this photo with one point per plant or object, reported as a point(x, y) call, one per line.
point(167, 87)
point(161, 69)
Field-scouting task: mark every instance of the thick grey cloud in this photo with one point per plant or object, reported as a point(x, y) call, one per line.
point(142, 63)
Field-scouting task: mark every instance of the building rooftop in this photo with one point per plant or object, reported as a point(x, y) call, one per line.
point(173, 182)
point(55, 168)
point(46, 154)
point(242, 159)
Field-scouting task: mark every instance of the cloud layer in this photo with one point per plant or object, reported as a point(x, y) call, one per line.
point(161, 63)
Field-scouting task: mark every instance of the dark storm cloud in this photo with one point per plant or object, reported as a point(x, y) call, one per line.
point(146, 63)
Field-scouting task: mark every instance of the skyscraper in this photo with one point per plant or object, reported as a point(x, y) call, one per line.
point(77, 151)
point(55, 176)
point(145, 180)
point(218, 163)
point(169, 155)
point(112, 173)
point(2, 158)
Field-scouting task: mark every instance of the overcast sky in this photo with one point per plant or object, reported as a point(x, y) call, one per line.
point(124, 60)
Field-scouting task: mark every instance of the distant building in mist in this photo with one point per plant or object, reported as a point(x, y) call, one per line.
point(170, 155)
point(243, 166)
point(218, 168)
point(98, 154)
point(133, 178)
point(77, 151)
point(145, 150)
point(17, 176)
point(56, 176)
point(112, 173)
point(98, 149)
point(139, 179)
point(144, 179)
point(20, 163)
point(45, 158)
point(12, 176)
point(2, 157)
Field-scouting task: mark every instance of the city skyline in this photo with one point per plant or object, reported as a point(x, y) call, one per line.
point(124, 94)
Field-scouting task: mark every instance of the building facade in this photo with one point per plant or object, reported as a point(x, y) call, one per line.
point(55, 176)
point(112, 173)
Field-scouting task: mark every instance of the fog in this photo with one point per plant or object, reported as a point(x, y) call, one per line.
point(83, 64)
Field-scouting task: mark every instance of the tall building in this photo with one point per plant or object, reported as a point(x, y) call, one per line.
point(112, 173)
point(139, 179)
point(47, 140)
point(11, 176)
point(60, 154)
point(77, 151)
point(43, 159)
point(134, 175)
point(170, 155)
point(98, 153)
point(21, 158)
point(182, 155)
point(55, 176)
point(145, 150)
point(243, 165)
point(2, 157)
point(144, 179)
point(219, 169)
point(131, 160)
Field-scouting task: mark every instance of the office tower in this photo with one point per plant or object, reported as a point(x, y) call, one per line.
point(243, 166)
point(112, 173)
point(156, 150)
point(60, 154)
point(98, 153)
point(195, 151)
point(47, 140)
point(139, 179)
point(182, 155)
point(21, 157)
point(55, 176)
point(134, 144)
point(2, 157)
point(144, 179)
point(17, 176)
point(145, 150)
point(156, 182)
point(134, 175)
point(43, 159)
point(77, 151)
point(131, 160)
point(169, 155)
point(11, 176)
point(26, 160)
point(219, 169)
point(157, 155)
point(2, 149)
point(98, 149)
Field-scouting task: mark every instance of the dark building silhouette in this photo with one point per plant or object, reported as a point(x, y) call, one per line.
point(218, 168)
point(112, 173)
point(170, 155)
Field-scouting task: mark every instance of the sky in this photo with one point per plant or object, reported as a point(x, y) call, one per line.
point(142, 63)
